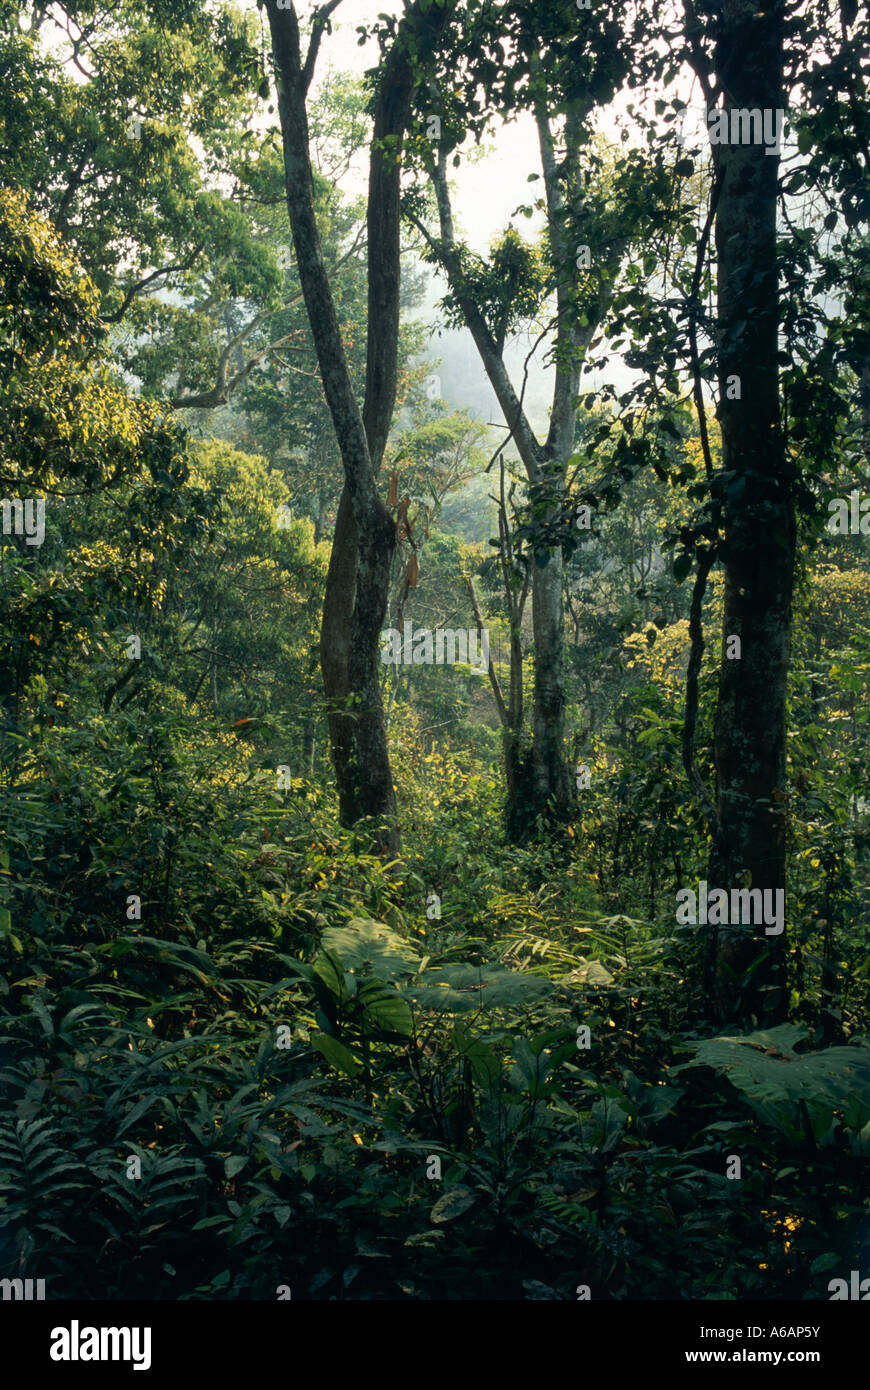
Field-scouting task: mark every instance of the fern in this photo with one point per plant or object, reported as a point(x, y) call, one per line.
point(36, 1180)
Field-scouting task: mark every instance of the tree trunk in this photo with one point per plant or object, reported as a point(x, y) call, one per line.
point(519, 780)
point(365, 535)
point(759, 527)
point(554, 791)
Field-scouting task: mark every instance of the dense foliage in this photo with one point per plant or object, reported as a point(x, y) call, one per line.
point(239, 1049)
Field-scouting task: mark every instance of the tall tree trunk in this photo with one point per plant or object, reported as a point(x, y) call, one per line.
point(519, 778)
point(365, 536)
point(552, 792)
point(554, 789)
point(335, 652)
point(758, 552)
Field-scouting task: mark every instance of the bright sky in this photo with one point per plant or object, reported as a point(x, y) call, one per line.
point(485, 195)
point(487, 192)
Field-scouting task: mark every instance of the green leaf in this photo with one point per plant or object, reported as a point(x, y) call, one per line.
point(366, 946)
point(329, 969)
point(549, 1039)
point(485, 1066)
point(176, 954)
point(336, 1054)
point(234, 1164)
point(44, 1017)
point(829, 1261)
point(785, 1088)
point(539, 1292)
point(451, 1205)
point(462, 988)
point(594, 973)
point(386, 1008)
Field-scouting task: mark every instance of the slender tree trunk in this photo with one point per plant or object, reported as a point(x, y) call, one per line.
point(552, 790)
point(518, 777)
point(759, 528)
point(365, 536)
point(335, 658)
point(553, 786)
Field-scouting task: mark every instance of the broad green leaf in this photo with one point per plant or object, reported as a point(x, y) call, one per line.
point(369, 947)
point(336, 1054)
point(485, 1066)
point(328, 969)
point(451, 1205)
point(386, 1008)
point(783, 1087)
point(463, 988)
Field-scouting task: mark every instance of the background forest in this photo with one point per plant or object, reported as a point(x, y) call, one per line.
point(331, 978)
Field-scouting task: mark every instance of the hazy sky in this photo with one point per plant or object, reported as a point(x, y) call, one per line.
point(485, 195)
point(488, 192)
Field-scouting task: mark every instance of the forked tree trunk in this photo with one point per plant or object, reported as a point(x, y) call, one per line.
point(551, 794)
point(365, 536)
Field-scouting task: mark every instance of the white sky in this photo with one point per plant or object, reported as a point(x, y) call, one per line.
point(487, 192)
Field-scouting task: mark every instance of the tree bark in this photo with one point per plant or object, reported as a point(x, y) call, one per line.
point(518, 773)
point(553, 785)
point(365, 538)
point(758, 550)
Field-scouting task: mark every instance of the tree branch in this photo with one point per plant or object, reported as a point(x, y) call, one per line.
point(383, 222)
point(319, 23)
point(697, 390)
point(223, 388)
point(148, 280)
point(319, 303)
point(561, 432)
point(493, 678)
point(448, 257)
